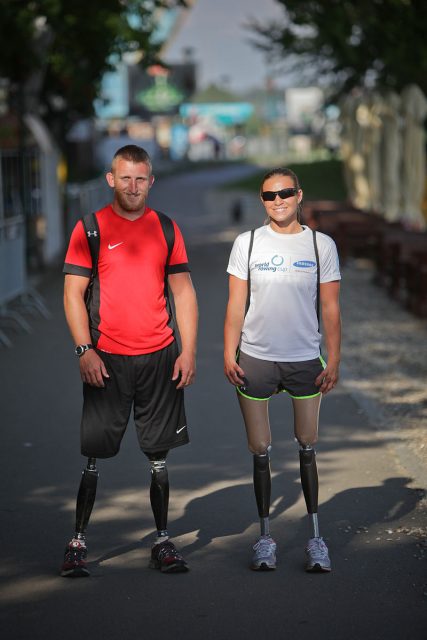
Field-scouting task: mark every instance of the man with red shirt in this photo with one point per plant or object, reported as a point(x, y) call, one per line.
point(128, 355)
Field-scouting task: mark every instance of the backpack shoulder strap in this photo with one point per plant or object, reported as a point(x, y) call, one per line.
point(169, 233)
point(316, 251)
point(251, 244)
point(90, 225)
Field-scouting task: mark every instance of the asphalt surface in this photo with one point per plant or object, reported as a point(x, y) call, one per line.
point(370, 510)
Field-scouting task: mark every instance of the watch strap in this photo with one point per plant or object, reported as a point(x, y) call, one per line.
point(82, 348)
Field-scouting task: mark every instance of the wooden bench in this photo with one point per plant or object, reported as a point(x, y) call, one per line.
point(399, 255)
point(400, 267)
point(355, 232)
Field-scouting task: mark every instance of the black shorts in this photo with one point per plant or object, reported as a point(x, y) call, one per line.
point(264, 378)
point(143, 381)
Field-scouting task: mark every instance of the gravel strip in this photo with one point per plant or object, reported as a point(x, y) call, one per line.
point(385, 358)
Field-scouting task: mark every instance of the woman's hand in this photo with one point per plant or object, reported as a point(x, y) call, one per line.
point(328, 379)
point(233, 373)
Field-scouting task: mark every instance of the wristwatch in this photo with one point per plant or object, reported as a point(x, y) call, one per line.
point(82, 348)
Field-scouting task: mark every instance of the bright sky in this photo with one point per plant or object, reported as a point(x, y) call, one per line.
point(215, 30)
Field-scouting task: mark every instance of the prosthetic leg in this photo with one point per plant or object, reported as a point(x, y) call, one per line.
point(164, 555)
point(159, 493)
point(86, 498)
point(306, 415)
point(255, 416)
point(310, 485)
point(306, 420)
point(264, 557)
point(74, 565)
point(262, 487)
point(316, 551)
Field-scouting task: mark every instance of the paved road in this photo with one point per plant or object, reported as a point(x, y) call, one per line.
point(369, 511)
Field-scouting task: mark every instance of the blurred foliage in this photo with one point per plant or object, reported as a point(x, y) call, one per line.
point(379, 43)
point(319, 180)
point(53, 53)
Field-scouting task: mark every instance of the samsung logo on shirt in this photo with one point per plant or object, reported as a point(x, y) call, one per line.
point(304, 264)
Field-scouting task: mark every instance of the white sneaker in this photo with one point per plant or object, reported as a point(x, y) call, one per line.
point(264, 558)
point(317, 556)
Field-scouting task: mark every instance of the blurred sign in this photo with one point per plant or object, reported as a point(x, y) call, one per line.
point(113, 101)
point(301, 106)
point(227, 113)
point(159, 90)
point(178, 142)
point(161, 97)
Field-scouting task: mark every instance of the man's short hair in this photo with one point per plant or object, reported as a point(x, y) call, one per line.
point(133, 153)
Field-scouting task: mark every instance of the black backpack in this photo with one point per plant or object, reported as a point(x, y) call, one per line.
point(90, 225)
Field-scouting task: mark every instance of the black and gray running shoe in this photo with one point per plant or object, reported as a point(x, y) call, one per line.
point(166, 558)
point(74, 565)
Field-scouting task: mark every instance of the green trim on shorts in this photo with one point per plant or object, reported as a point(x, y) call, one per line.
point(322, 361)
point(250, 397)
point(319, 393)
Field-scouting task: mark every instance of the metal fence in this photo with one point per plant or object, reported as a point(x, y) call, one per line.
point(84, 198)
point(20, 201)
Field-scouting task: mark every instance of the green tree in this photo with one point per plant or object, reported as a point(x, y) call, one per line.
point(53, 53)
point(364, 43)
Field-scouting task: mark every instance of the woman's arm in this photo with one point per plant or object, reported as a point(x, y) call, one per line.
point(234, 318)
point(331, 320)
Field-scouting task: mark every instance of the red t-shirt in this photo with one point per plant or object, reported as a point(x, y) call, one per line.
point(128, 312)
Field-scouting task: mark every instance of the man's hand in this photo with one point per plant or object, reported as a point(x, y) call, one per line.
point(92, 369)
point(185, 365)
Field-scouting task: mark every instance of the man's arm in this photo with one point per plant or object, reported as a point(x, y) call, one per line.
point(92, 368)
point(331, 319)
point(234, 318)
point(187, 320)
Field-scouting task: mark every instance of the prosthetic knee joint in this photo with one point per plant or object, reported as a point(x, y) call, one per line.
point(262, 487)
point(86, 497)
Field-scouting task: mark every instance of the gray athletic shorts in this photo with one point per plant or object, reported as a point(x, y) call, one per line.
point(144, 382)
point(264, 378)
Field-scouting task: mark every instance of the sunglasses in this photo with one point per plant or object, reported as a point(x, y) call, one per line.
point(283, 194)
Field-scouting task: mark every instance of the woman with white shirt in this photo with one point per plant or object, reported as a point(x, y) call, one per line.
point(280, 275)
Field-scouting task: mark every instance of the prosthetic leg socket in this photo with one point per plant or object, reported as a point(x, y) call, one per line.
point(309, 479)
point(159, 493)
point(262, 483)
point(86, 497)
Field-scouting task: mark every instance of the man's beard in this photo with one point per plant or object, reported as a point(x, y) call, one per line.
point(130, 204)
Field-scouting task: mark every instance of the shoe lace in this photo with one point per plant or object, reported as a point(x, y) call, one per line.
point(264, 545)
point(76, 552)
point(317, 547)
point(168, 550)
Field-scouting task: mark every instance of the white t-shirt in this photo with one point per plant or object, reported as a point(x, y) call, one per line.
point(281, 324)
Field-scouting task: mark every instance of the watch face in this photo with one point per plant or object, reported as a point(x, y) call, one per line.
point(82, 348)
